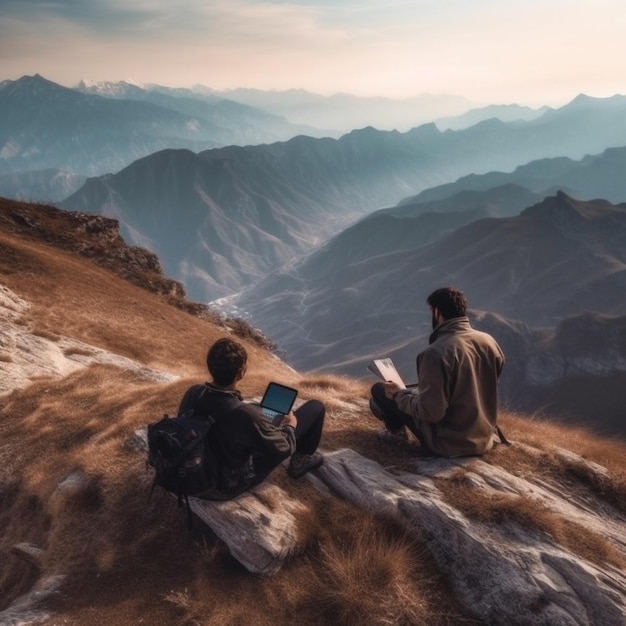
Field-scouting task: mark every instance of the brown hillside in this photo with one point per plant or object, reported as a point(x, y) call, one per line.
point(128, 560)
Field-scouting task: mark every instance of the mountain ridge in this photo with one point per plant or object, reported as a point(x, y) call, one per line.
point(593, 176)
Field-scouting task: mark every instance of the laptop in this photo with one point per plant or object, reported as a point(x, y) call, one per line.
point(277, 400)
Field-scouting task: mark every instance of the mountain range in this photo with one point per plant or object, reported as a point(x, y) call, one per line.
point(251, 220)
point(45, 126)
point(329, 116)
point(235, 122)
point(48, 131)
point(343, 112)
point(200, 205)
point(94, 129)
point(593, 176)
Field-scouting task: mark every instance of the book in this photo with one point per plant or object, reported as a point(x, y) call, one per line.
point(386, 371)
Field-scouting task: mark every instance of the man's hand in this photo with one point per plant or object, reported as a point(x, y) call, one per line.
point(391, 389)
point(289, 419)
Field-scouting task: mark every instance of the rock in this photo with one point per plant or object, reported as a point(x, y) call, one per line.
point(259, 527)
point(505, 573)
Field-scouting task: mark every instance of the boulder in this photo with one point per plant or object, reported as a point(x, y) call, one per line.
point(259, 527)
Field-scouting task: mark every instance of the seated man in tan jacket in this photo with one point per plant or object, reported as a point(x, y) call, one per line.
point(453, 410)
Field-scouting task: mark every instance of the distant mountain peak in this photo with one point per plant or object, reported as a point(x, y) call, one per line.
point(34, 79)
point(583, 100)
point(107, 88)
point(563, 207)
point(34, 85)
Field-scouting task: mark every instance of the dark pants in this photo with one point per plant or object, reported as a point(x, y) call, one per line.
point(391, 415)
point(308, 435)
point(309, 429)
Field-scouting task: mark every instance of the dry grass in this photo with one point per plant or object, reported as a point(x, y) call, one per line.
point(78, 352)
point(375, 576)
point(130, 560)
point(534, 518)
point(549, 437)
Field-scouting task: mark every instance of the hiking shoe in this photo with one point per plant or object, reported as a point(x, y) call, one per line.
point(300, 464)
point(377, 412)
point(390, 436)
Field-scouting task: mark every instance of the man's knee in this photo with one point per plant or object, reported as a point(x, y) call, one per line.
point(314, 408)
point(378, 392)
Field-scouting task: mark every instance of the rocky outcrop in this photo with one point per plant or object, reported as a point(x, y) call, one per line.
point(92, 236)
point(25, 355)
point(497, 541)
point(505, 572)
point(98, 238)
point(259, 527)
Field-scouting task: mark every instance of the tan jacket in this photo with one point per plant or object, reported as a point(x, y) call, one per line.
point(455, 405)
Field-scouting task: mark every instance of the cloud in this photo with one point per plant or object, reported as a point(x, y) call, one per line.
point(486, 49)
point(96, 15)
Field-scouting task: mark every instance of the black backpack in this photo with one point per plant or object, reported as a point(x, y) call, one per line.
point(178, 451)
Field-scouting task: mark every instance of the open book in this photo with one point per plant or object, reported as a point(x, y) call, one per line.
point(386, 370)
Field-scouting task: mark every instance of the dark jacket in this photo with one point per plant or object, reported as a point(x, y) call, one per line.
point(246, 444)
point(456, 402)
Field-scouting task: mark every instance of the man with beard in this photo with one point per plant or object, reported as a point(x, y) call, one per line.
point(453, 409)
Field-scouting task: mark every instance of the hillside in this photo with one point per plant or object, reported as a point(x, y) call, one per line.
point(74, 489)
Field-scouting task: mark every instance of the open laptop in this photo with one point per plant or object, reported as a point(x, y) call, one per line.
point(277, 400)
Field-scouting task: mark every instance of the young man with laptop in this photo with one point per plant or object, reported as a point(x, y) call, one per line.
point(249, 440)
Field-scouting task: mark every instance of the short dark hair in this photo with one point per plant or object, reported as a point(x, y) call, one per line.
point(225, 359)
point(449, 301)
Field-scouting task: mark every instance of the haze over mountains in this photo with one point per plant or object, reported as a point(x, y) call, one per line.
point(49, 132)
point(344, 112)
point(326, 115)
point(100, 128)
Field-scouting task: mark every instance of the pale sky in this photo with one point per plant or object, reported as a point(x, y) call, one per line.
point(490, 51)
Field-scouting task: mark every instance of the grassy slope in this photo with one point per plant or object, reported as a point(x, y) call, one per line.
point(129, 559)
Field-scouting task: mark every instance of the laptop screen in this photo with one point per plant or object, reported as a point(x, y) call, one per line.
point(279, 398)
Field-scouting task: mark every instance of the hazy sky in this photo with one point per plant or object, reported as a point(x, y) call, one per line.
point(524, 51)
